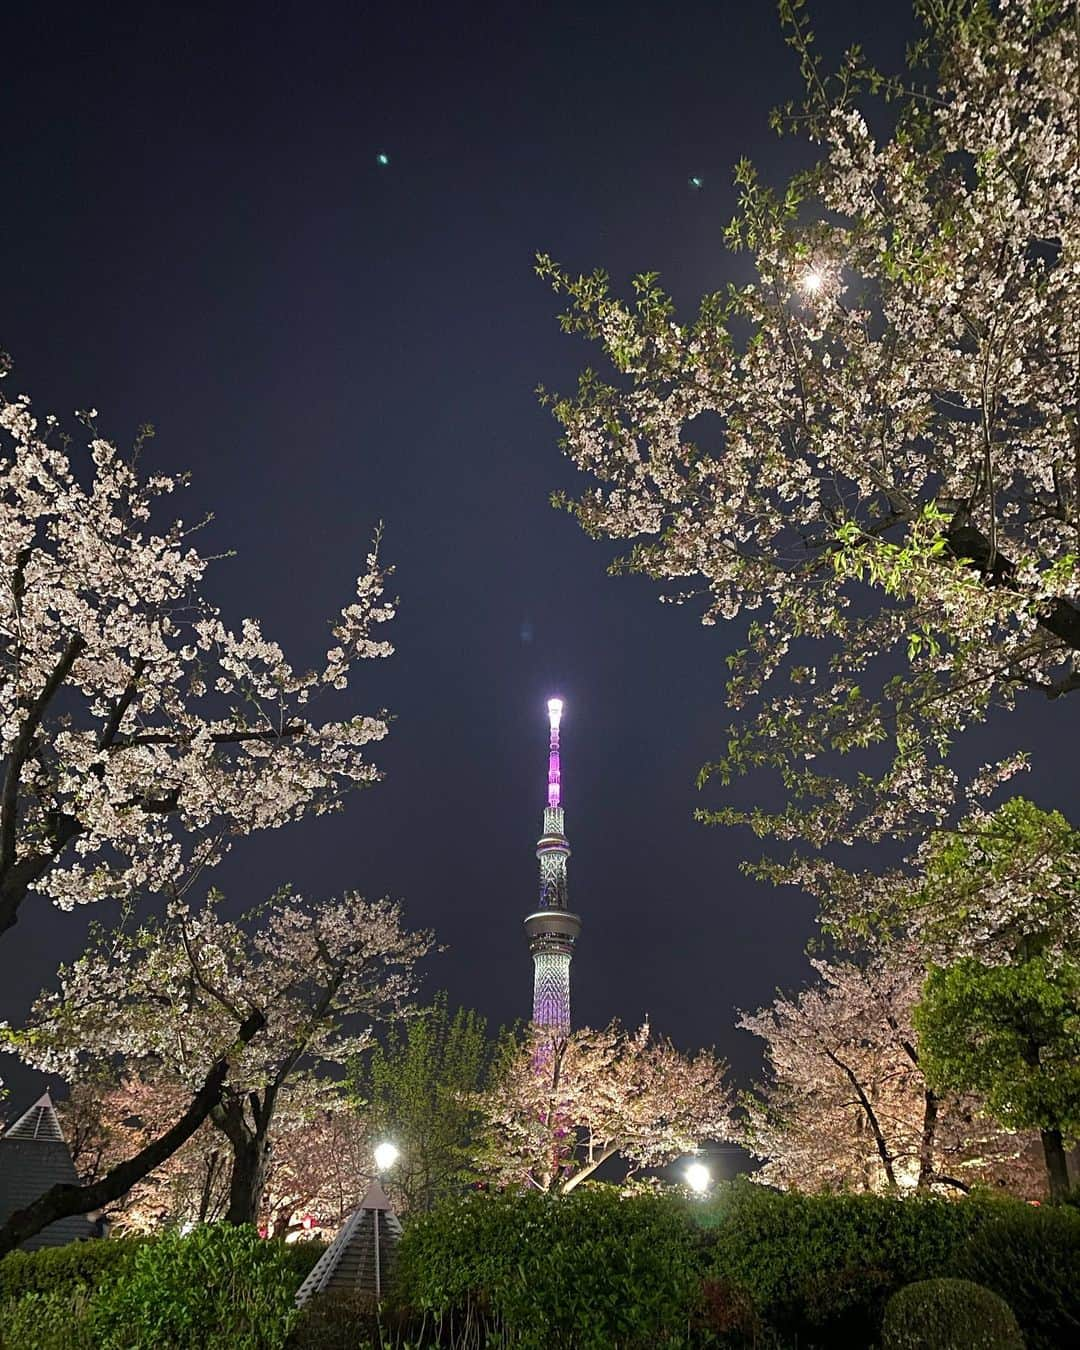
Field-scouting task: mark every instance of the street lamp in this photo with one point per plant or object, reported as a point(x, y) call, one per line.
point(697, 1178)
point(386, 1155)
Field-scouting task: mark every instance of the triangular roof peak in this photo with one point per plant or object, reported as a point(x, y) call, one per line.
point(40, 1122)
point(375, 1197)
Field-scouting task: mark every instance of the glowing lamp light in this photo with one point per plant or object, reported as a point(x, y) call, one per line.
point(812, 281)
point(386, 1155)
point(554, 711)
point(697, 1178)
point(382, 159)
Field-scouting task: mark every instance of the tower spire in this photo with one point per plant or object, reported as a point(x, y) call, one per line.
point(552, 929)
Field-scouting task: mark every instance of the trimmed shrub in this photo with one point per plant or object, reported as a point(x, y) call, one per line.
point(218, 1288)
point(55, 1321)
point(949, 1315)
point(1031, 1258)
point(350, 1321)
point(52, 1270)
point(589, 1270)
point(335, 1321)
point(821, 1267)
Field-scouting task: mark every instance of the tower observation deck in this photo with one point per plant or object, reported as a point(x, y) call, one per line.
point(552, 929)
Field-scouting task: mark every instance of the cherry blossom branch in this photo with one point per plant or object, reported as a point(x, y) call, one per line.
point(21, 749)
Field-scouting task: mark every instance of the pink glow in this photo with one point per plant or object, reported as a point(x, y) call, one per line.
point(554, 775)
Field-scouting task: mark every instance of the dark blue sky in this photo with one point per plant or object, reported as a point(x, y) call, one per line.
point(196, 233)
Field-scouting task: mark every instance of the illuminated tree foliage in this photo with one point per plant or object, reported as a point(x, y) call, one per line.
point(141, 735)
point(166, 1000)
point(869, 444)
point(319, 1158)
point(1012, 1035)
point(562, 1106)
point(845, 1105)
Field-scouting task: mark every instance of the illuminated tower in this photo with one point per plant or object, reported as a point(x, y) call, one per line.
point(552, 930)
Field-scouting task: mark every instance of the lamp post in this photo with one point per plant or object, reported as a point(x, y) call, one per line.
point(386, 1155)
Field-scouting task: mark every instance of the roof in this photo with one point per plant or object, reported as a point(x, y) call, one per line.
point(349, 1262)
point(33, 1157)
point(40, 1122)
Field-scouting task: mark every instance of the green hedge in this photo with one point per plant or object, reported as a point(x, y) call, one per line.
point(747, 1268)
point(56, 1321)
point(821, 1267)
point(589, 1270)
point(53, 1270)
point(217, 1286)
point(949, 1315)
point(1031, 1257)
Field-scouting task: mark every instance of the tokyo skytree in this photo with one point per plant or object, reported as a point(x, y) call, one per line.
point(552, 929)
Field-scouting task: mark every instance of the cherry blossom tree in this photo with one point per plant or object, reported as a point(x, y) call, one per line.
point(845, 1104)
point(563, 1106)
point(319, 1156)
point(166, 999)
point(868, 445)
point(320, 1166)
point(141, 734)
point(106, 1122)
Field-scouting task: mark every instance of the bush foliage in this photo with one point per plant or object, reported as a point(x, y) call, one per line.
point(40, 1321)
point(822, 1267)
point(949, 1315)
point(83, 1265)
point(1031, 1258)
point(589, 1270)
point(748, 1268)
point(219, 1285)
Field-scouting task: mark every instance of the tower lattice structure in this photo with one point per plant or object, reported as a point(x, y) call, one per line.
point(552, 928)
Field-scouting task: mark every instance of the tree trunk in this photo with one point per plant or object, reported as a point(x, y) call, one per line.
point(883, 1151)
point(927, 1141)
point(248, 1180)
point(63, 1200)
point(249, 1141)
point(1057, 1168)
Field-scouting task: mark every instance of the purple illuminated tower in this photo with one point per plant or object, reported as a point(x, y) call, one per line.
point(552, 929)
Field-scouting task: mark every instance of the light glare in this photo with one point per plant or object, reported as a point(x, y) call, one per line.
point(812, 281)
point(386, 1155)
point(697, 1178)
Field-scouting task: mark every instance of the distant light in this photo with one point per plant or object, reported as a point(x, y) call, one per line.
point(386, 1155)
point(555, 706)
point(698, 1178)
point(695, 182)
point(812, 281)
point(382, 158)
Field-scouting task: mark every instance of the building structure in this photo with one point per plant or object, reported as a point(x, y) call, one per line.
point(34, 1157)
point(360, 1260)
point(552, 929)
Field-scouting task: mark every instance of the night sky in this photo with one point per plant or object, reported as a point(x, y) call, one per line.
point(197, 232)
